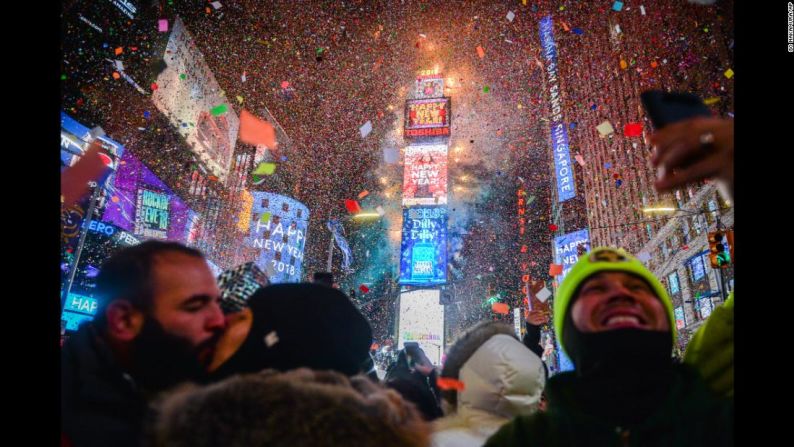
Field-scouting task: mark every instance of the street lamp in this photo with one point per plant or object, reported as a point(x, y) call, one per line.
point(667, 209)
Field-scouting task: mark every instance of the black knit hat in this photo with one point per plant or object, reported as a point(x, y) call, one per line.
point(302, 325)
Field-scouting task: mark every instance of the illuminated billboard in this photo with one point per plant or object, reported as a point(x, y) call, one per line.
point(422, 322)
point(188, 94)
point(124, 210)
point(567, 248)
point(429, 86)
point(151, 214)
point(75, 139)
point(278, 226)
point(425, 175)
point(423, 251)
point(427, 117)
point(563, 169)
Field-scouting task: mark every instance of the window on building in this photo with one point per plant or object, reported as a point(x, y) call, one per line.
point(678, 198)
point(697, 269)
point(680, 317)
point(696, 223)
point(672, 280)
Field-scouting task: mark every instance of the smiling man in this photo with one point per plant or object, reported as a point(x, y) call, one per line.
point(157, 325)
point(615, 321)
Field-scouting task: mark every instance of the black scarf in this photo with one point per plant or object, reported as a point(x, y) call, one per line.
point(622, 375)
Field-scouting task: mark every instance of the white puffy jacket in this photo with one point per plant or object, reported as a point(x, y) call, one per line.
point(502, 379)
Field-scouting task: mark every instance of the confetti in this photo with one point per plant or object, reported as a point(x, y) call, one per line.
point(448, 383)
point(365, 129)
point(219, 110)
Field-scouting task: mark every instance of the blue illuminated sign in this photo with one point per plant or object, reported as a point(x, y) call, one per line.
point(566, 250)
point(423, 259)
point(75, 138)
point(77, 309)
point(73, 319)
point(97, 226)
point(80, 303)
point(559, 134)
point(278, 228)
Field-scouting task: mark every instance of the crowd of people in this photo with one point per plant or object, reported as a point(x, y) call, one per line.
point(176, 356)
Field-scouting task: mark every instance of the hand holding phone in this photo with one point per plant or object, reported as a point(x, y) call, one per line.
point(690, 144)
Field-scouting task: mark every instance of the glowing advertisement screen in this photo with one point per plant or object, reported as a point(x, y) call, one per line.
point(151, 214)
point(75, 139)
point(278, 226)
point(425, 175)
point(427, 117)
point(122, 205)
point(423, 259)
point(566, 252)
point(429, 86)
point(566, 249)
point(191, 98)
point(77, 309)
point(102, 240)
point(422, 321)
point(559, 135)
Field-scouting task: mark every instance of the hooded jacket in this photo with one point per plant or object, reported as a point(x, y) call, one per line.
point(690, 415)
point(625, 390)
point(710, 351)
point(100, 405)
point(503, 379)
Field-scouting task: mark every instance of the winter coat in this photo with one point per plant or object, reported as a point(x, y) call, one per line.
point(690, 415)
point(710, 351)
point(502, 379)
point(100, 405)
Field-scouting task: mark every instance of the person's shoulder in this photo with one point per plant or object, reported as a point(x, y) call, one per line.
point(522, 430)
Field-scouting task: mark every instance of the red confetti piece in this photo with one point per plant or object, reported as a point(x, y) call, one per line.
point(500, 308)
point(448, 383)
point(553, 227)
point(632, 130)
point(363, 288)
point(352, 206)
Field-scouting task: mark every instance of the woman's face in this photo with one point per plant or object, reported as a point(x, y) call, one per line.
point(238, 325)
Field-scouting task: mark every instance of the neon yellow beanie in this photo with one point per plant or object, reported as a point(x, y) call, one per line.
point(605, 259)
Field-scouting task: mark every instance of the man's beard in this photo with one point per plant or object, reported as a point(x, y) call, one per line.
point(163, 360)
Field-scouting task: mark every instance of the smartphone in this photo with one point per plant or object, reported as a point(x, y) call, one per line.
point(666, 108)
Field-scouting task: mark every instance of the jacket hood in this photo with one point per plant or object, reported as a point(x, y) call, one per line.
point(503, 377)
